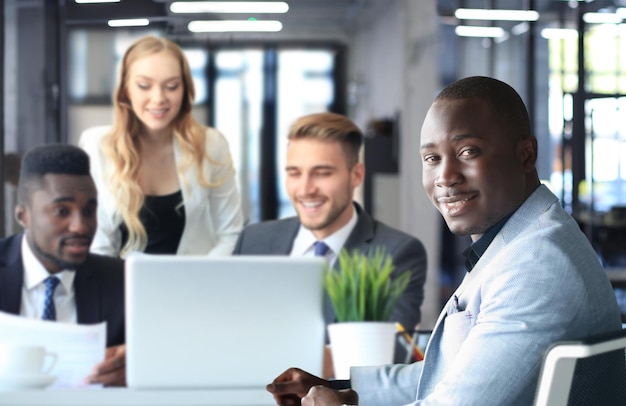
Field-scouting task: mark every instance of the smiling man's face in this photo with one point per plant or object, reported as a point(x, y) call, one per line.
point(320, 184)
point(59, 220)
point(475, 171)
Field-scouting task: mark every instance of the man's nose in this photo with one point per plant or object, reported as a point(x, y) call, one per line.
point(309, 186)
point(449, 173)
point(79, 223)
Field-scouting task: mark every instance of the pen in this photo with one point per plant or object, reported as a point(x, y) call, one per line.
point(406, 336)
point(417, 352)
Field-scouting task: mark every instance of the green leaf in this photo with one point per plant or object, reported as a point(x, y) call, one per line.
point(364, 287)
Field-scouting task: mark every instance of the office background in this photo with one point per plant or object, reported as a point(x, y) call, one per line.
point(381, 62)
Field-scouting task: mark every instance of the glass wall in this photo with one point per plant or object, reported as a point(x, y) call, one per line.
point(605, 144)
point(305, 85)
point(238, 96)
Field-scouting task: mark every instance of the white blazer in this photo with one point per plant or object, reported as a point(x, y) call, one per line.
point(213, 217)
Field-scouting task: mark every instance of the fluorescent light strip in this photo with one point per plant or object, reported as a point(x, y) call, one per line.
point(129, 22)
point(500, 15)
point(96, 1)
point(235, 26)
point(602, 18)
point(476, 31)
point(559, 33)
point(229, 7)
point(521, 28)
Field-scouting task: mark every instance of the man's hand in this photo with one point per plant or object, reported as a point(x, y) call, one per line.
point(111, 371)
point(323, 396)
point(292, 385)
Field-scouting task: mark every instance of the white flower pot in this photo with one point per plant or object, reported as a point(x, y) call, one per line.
point(360, 344)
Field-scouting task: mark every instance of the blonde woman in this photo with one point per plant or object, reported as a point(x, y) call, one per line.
point(166, 184)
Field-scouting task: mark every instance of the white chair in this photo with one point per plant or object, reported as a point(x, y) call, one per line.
point(591, 371)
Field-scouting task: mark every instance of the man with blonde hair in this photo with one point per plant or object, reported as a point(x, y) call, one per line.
point(323, 170)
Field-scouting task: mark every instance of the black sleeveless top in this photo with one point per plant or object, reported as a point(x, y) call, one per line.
point(163, 217)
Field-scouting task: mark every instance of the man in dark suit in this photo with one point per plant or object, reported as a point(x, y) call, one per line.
point(47, 272)
point(323, 170)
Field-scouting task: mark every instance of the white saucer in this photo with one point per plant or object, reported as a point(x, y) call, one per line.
point(25, 381)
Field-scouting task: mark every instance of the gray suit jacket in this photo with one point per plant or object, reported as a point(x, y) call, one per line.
point(276, 238)
point(538, 282)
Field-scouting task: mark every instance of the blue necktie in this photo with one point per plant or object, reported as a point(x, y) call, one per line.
point(49, 312)
point(320, 248)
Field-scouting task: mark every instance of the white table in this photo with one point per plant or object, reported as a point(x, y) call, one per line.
point(135, 397)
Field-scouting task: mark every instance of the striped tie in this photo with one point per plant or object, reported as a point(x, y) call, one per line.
point(49, 312)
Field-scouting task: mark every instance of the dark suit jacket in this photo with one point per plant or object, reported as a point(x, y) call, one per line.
point(98, 286)
point(276, 238)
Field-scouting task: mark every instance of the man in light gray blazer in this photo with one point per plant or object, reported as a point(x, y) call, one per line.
point(323, 169)
point(533, 278)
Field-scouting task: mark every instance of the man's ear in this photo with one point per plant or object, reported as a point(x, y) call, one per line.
point(358, 174)
point(22, 215)
point(527, 151)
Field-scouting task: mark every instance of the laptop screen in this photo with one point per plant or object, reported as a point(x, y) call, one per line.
point(228, 322)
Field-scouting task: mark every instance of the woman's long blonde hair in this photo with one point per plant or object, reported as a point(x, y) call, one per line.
point(121, 145)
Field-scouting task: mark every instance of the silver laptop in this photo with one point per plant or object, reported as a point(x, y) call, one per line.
point(228, 322)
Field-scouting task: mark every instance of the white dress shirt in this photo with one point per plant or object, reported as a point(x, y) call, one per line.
point(34, 289)
point(303, 244)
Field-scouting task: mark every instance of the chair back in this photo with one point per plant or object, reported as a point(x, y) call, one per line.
point(590, 371)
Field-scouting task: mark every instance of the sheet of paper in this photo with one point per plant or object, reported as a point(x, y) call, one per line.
point(78, 347)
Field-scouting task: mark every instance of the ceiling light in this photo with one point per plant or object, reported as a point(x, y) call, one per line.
point(235, 26)
point(521, 28)
point(129, 22)
point(96, 1)
point(229, 7)
point(501, 15)
point(602, 18)
point(476, 31)
point(559, 33)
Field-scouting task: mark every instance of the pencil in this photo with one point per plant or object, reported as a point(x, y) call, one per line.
point(417, 352)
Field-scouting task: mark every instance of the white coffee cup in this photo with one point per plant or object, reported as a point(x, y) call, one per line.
point(25, 359)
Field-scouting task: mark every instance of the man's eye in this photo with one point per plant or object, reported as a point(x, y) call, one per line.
point(61, 211)
point(468, 152)
point(323, 174)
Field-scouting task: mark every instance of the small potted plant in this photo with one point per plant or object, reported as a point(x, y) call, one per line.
point(363, 292)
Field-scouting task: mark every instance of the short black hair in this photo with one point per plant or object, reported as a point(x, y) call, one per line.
point(503, 99)
point(41, 160)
